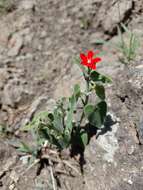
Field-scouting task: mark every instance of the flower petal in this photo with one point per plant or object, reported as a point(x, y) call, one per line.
point(83, 57)
point(96, 60)
point(84, 63)
point(92, 66)
point(90, 54)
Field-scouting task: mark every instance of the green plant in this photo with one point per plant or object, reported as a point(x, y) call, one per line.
point(129, 46)
point(59, 129)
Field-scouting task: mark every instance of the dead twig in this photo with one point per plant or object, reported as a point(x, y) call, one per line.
point(52, 177)
point(65, 162)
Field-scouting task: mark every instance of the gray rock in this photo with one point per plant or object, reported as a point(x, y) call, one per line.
point(10, 162)
point(43, 34)
point(3, 77)
point(33, 109)
point(140, 131)
point(15, 93)
point(109, 143)
point(15, 45)
point(12, 93)
point(94, 37)
point(116, 14)
point(27, 4)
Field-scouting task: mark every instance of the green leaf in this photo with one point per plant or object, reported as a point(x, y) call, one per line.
point(102, 109)
point(100, 91)
point(77, 91)
point(125, 28)
point(66, 139)
point(88, 110)
point(97, 77)
point(14, 142)
point(96, 114)
point(24, 148)
point(44, 132)
point(71, 108)
point(58, 120)
point(34, 124)
point(68, 122)
point(51, 116)
point(84, 138)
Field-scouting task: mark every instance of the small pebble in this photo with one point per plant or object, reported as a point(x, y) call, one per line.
point(130, 182)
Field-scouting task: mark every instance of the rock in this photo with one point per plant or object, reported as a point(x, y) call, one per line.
point(33, 109)
point(24, 57)
point(131, 150)
point(95, 37)
point(27, 35)
point(28, 38)
point(12, 186)
point(24, 159)
point(15, 44)
point(130, 182)
point(48, 42)
point(43, 34)
point(50, 105)
point(116, 14)
point(25, 31)
point(14, 176)
point(3, 77)
point(3, 116)
point(109, 143)
point(15, 93)
point(27, 4)
point(39, 47)
point(10, 162)
point(4, 33)
point(140, 132)
point(23, 21)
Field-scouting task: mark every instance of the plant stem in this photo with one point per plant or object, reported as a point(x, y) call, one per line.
point(87, 96)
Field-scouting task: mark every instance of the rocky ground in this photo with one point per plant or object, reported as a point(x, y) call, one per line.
point(38, 43)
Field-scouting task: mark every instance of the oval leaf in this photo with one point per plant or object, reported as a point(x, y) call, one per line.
point(88, 110)
point(96, 115)
point(100, 91)
point(77, 91)
point(84, 138)
point(97, 77)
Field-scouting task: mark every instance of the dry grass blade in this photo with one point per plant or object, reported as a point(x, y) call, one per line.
point(52, 177)
point(70, 166)
point(65, 162)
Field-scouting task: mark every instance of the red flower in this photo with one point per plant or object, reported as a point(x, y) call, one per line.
point(88, 60)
